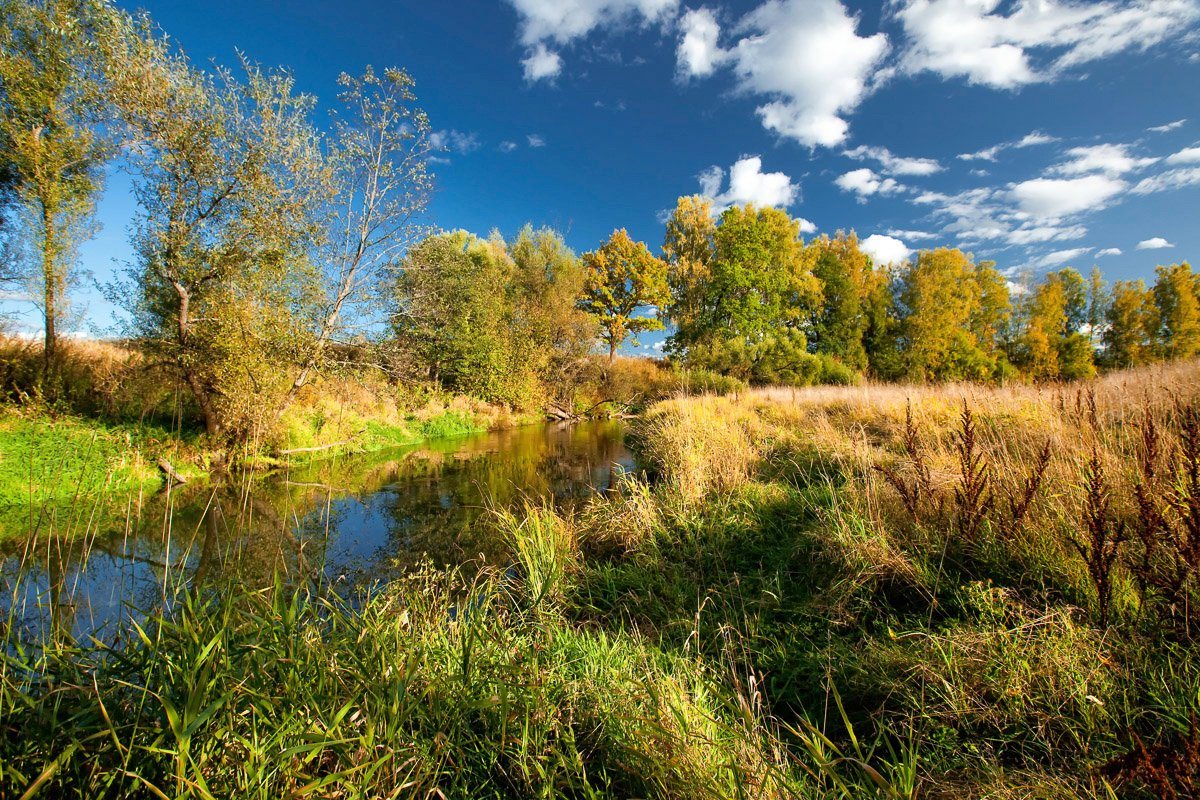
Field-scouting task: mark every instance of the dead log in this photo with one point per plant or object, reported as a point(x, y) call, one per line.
point(170, 472)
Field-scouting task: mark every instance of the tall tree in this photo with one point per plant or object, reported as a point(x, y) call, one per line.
point(1130, 320)
point(228, 173)
point(762, 274)
point(939, 296)
point(1177, 299)
point(621, 277)
point(49, 148)
point(841, 321)
point(688, 249)
point(379, 187)
point(1098, 302)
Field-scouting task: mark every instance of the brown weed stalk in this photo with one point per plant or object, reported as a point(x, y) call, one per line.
point(973, 495)
point(1104, 535)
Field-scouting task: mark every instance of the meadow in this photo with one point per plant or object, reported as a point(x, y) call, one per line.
point(870, 591)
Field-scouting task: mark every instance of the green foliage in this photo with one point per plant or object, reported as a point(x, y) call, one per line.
point(494, 319)
point(52, 148)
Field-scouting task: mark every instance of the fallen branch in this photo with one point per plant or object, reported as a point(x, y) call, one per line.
point(319, 448)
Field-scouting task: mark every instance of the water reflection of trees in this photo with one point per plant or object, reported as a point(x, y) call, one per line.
point(357, 519)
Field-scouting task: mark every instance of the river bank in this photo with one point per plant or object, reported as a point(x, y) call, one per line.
point(865, 592)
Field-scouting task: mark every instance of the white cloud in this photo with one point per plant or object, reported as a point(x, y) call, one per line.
point(561, 22)
point(1061, 256)
point(698, 53)
point(748, 184)
point(893, 164)
point(1035, 234)
point(507, 147)
point(536, 140)
point(1108, 251)
point(1155, 243)
point(1111, 159)
point(916, 236)
point(884, 249)
point(1028, 140)
point(1037, 40)
point(1188, 155)
point(804, 56)
point(454, 141)
point(541, 64)
point(1165, 181)
point(1053, 198)
point(1167, 128)
point(865, 183)
point(806, 226)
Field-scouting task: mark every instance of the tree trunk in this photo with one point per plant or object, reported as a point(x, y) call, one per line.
point(612, 350)
point(50, 290)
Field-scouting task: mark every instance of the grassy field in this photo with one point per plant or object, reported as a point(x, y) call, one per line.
point(875, 591)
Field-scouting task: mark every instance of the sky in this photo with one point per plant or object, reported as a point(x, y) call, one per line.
point(1037, 134)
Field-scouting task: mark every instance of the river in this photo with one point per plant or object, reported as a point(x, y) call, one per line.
point(351, 522)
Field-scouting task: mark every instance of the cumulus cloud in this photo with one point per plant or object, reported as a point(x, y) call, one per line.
point(1054, 198)
point(541, 64)
point(804, 57)
point(893, 164)
point(1108, 251)
point(560, 22)
point(1028, 140)
point(1111, 159)
point(1154, 243)
point(865, 183)
point(748, 184)
point(806, 226)
point(1006, 46)
point(535, 140)
point(1061, 256)
point(884, 249)
point(507, 147)
point(699, 53)
point(1168, 127)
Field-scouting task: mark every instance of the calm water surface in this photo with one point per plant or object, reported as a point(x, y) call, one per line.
point(351, 522)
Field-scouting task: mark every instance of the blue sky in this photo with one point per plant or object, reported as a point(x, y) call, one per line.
point(1036, 134)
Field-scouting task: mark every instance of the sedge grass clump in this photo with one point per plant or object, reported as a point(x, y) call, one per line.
point(701, 445)
point(546, 551)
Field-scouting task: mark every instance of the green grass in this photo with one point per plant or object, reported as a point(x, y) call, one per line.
point(51, 464)
point(768, 622)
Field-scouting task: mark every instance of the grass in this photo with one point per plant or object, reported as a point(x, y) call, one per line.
point(869, 591)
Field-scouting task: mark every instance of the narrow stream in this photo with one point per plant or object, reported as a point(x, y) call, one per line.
point(352, 522)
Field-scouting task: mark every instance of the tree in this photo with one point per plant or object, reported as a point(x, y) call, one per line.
point(762, 275)
point(51, 152)
point(621, 277)
point(1098, 303)
point(939, 298)
point(1177, 299)
point(228, 175)
point(838, 326)
point(1130, 322)
point(452, 313)
point(688, 249)
point(495, 319)
point(379, 187)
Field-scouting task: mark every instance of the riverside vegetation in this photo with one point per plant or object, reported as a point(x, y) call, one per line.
point(910, 529)
point(872, 591)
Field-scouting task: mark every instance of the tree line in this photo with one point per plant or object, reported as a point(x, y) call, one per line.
point(272, 245)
